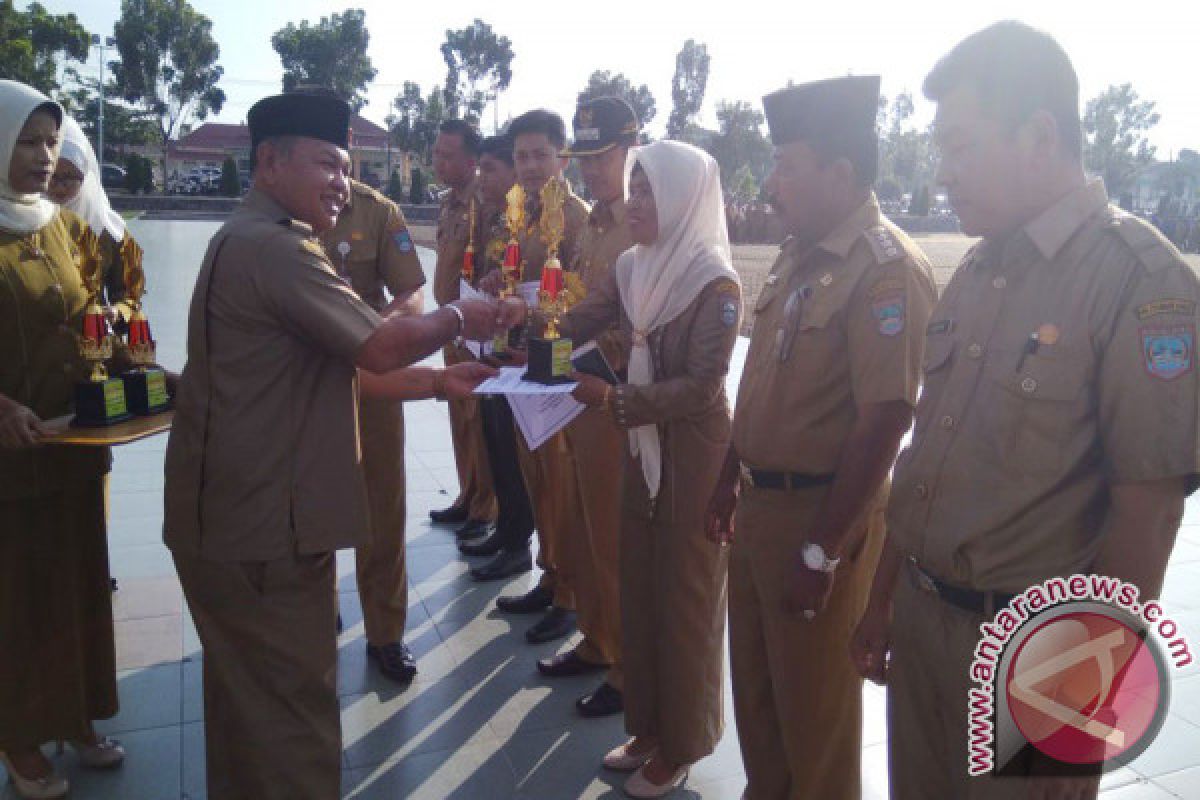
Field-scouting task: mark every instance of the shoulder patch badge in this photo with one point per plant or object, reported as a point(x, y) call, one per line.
point(888, 310)
point(729, 312)
point(1167, 351)
point(1170, 305)
point(403, 240)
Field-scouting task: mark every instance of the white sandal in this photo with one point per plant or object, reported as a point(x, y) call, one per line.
point(619, 759)
point(638, 786)
point(47, 787)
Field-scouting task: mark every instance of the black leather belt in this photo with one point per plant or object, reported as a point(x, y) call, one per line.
point(986, 603)
point(786, 481)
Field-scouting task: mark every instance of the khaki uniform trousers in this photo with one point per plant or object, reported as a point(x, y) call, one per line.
point(591, 563)
point(673, 604)
point(933, 644)
point(380, 562)
point(476, 492)
point(796, 695)
point(549, 474)
point(272, 730)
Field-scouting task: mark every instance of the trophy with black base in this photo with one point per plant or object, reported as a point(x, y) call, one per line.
point(550, 353)
point(146, 383)
point(100, 400)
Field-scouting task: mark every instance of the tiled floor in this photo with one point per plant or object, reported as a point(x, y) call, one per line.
point(478, 722)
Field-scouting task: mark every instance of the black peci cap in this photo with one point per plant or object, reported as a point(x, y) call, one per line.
point(601, 125)
point(835, 117)
point(311, 114)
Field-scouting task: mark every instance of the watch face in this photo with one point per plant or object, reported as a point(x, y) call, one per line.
point(814, 557)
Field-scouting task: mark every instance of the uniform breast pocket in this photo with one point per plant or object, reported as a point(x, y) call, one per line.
point(1034, 411)
point(935, 369)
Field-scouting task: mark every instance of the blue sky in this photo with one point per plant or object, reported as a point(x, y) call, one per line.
point(755, 46)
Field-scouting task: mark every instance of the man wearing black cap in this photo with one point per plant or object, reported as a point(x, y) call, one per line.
point(263, 472)
point(826, 395)
point(605, 129)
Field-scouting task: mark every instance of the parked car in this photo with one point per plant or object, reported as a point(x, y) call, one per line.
point(112, 176)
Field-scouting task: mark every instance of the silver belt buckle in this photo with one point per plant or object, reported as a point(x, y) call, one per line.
point(923, 579)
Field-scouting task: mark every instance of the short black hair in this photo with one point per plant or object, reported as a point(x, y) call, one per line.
point(540, 121)
point(498, 147)
point(471, 138)
point(1016, 71)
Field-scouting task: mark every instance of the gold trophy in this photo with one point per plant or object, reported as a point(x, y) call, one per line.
point(146, 383)
point(550, 353)
point(514, 215)
point(100, 400)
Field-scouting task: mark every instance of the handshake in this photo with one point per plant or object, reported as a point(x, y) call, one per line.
point(481, 320)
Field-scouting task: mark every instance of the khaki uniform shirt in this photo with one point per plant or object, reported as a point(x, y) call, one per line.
point(491, 239)
point(378, 249)
point(534, 249)
point(42, 302)
point(604, 238)
point(1016, 445)
point(263, 459)
point(453, 234)
point(837, 326)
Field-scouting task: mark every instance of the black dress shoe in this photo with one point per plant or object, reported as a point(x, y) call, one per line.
point(557, 623)
point(395, 661)
point(503, 565)
point(603, 702)
point(473, 529)
point(535, 600)
point(454, 515)
point(488, 546)
point(567, 665)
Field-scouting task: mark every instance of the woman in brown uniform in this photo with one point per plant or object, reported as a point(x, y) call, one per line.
point(677, 295)
point(57, 662)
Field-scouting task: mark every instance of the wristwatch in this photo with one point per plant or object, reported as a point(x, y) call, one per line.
point(815, 558)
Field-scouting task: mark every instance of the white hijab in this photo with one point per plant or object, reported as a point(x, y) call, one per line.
point(91, 204)
point(20, 213)
point(659, 281)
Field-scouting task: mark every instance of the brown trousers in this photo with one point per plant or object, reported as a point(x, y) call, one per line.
point(796, 695)
point(476, 492)
point(933, 644)
point(673, 603)
point(592, 562)
point(380, 563)
point(272, 729)
point(549, 474)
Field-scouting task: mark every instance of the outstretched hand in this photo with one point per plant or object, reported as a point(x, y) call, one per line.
point(461, 379)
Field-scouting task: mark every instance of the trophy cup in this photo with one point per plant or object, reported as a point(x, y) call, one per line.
point(550, 353)
point(145, 384)
point(100, 400)
point(514, 215)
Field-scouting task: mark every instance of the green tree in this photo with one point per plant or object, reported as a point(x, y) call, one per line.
point(687, 88)
point(123, 127)
point(168, 65)
point(231, 183)
point(478, 68)
point(418, 187)
point(739, 142)
point(906, 154)
point(332, 53)
point(603, 83)
point(34, 41)
point(395, 188)
point(417, 120)
point(1115, 146)
point(918, 206)
point(139, 174)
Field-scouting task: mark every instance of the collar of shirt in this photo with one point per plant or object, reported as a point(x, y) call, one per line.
point(839, 242)
point(461, 198)
point(1053, 228)
point(259, 202)
point(606, 216)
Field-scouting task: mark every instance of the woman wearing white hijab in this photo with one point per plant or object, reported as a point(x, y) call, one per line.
point(76, 186)
point(676, 293)
point(57, 657)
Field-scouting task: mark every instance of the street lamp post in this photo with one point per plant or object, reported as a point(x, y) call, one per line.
point(102, 43)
